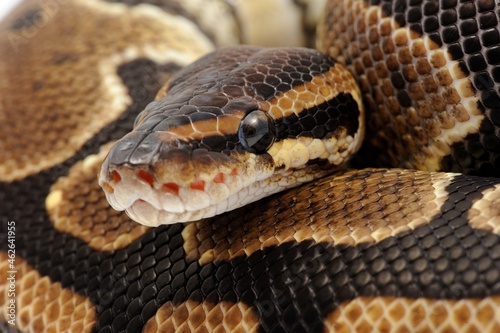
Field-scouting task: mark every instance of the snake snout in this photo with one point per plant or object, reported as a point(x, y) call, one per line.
point(171, 181)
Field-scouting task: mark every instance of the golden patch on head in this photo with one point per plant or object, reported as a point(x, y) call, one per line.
point(419, 103)
point(77, 205)
point(192, 316)
point(399, 314)
point(222, 125)
point(41, 304)
point(364, 206)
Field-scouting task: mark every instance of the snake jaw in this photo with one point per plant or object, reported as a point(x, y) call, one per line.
point(163, 194)
point(151, 201)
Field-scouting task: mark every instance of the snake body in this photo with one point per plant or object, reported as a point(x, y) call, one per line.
point(373, 249)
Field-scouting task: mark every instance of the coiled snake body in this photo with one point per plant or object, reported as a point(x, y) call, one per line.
point(372, 249)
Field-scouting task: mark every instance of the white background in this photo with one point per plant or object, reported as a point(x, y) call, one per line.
point(6, 6)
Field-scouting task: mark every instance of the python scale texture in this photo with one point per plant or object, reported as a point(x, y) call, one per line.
point(250, 166)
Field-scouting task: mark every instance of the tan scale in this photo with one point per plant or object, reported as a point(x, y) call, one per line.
point(372, 205)
point(485, 212)
point(192, 316)
point(77, 205)
point(402, 315)
point(419, 135)
point(41, 304)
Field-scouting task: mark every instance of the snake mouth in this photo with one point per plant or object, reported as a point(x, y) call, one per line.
point(151, 202)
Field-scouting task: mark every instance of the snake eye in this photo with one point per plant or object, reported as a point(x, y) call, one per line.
point(257, 132)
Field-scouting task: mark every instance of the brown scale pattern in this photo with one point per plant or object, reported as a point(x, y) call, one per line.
point(41, 304)
point(373, 205)
point(348, 211)
point(203, 317)
point(77, 205)
point(485, 214)
point(398, 315)
point(415, 114)
point(43, 104)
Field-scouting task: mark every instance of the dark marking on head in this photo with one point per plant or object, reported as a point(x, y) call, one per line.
point(316, 122)
point(136, 148)
point(216, 143)
point(255, 72)
point(220, 143)
point(322, 120)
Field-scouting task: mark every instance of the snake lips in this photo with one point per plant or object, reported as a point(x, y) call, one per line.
point(232, 128)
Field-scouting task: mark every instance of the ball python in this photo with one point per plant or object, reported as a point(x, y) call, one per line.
point(376, 247)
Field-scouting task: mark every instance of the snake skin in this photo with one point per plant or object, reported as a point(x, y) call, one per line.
point(391, 250)
point(430, 73)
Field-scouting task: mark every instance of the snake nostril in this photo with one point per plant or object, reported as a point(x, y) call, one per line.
point(146, 176)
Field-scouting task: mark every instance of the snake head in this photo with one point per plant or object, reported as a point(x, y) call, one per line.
point(235, 126)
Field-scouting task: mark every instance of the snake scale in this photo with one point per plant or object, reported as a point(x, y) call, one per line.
point(377, 247)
